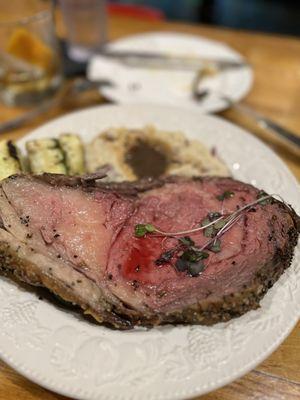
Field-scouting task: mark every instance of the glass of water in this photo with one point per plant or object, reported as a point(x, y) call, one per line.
point(30, 68)
point(86, 26)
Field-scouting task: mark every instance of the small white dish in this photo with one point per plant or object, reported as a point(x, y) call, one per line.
point(134, 85)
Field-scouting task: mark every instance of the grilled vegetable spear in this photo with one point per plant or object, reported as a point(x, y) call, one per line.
point(72, 148)
point(10, 162)
point(64, 155)
point(45, 155)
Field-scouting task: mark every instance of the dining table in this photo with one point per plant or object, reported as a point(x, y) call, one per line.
point(275, 60)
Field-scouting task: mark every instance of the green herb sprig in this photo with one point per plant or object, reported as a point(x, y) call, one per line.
point(226, 195)
point(190, 258)
point(141, 230)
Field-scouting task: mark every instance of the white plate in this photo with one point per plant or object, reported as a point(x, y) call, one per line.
point(61, 351)
point(133, 85)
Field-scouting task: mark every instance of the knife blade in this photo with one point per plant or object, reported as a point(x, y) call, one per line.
point(156, 60)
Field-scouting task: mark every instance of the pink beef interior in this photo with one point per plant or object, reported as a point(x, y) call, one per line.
point(95, 232)
point(245, 248)
point(74, 225)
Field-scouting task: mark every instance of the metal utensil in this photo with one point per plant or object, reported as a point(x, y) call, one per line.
point(166, 61)
point(78, 86)
point(288, 136)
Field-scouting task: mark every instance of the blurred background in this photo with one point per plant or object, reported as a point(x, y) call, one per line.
point(277, 16)
point(58, 56)
point(61, 55)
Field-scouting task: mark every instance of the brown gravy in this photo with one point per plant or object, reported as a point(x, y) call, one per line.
point(147, 159)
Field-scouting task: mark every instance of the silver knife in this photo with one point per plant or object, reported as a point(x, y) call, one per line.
point(165, 61)
point(291, 139)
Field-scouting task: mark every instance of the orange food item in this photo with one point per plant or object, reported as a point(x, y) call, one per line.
point(26, 46)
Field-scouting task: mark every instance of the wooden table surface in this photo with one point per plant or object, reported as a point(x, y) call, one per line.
point(276, 93)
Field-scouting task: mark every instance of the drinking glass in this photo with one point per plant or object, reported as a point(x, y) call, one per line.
point(30, 68)
point(86, 25)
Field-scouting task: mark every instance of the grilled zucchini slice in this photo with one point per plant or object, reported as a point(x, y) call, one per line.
point(9, 159)
point(72, 148)
point(45, 155)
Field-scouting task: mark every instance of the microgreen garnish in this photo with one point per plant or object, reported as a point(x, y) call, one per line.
point(181, 265)
point(193, 255)
point(213, 223)
point(213, 215)
point(165, 257)
point(191, 262)
point(140, 230)
point(190, 257)
point(215, 247)
point(187, 241)
point(209, 231)
point(195, 268)
point(262, 194)
point(226, 195)
point(220, 224)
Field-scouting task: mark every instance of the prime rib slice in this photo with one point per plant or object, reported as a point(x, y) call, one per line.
point(76, 237)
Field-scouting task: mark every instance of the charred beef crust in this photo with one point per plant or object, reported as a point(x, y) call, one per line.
point(206, 312)
point(214, 310)
point(91, 181)
point(16, 268)
point(209, 312)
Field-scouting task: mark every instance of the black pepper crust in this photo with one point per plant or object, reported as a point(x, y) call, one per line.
point(206, 312)
point(21, 270)
point(213, 310)
point(122, 316)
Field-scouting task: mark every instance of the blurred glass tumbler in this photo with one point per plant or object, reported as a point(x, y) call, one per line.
point(30, 68)
point(86, 25)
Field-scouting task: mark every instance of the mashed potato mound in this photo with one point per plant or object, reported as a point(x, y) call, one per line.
point(184, 157)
